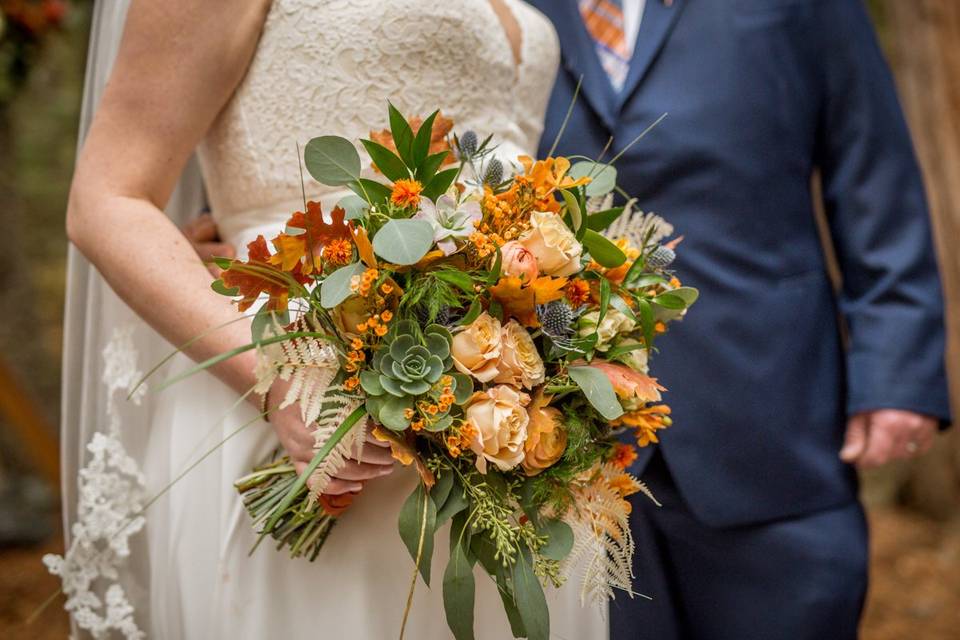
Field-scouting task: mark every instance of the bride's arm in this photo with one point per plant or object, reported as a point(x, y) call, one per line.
point(178, 64)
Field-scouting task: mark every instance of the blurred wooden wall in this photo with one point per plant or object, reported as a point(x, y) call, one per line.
point(922, 42)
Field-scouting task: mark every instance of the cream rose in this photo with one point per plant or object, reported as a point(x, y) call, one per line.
point(520, 364)
point(518, 262)
point(476, 350)
point(546, 436)
point(636, 359)
point(613, 324)
point(553, 244)
point(500, 420)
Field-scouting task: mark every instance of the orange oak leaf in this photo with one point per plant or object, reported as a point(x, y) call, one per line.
point(519, 301)
point(258, 276)
point(317, 234)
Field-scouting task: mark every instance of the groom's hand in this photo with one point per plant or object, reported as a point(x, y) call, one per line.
point(875, 438)
point(203, 234)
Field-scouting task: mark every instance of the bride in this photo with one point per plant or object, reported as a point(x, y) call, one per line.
point(242, 83)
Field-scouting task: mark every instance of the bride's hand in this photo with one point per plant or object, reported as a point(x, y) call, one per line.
point(298, 443)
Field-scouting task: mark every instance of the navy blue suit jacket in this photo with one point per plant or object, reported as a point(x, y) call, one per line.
point(760, 93)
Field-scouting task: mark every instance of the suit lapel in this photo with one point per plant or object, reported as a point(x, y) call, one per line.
point(659, 17)
point(579, 57)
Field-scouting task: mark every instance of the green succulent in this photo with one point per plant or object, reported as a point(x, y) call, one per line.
point(409, 362)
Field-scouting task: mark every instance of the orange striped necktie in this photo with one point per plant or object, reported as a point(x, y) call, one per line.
point(604, 22)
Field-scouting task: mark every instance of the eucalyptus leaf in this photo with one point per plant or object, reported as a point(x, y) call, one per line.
point(455, 503)
point(559, 539)
point(688, 294)
point(403, 242)
point(354, 206)
point(603, 177)
point(530, 599)
point(417, 523)
point(603, 250)
point(335, 288)
point(459, 591)
point(464, 388)
point(598, 390)
point(332, 160)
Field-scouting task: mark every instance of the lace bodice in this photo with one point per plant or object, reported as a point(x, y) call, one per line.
point(330, 66)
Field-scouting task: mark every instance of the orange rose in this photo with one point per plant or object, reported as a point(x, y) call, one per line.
point(546, 436)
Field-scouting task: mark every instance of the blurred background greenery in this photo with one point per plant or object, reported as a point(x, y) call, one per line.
point(915, 589)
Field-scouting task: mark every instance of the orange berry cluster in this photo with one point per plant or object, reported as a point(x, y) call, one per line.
point(461, 439)
point(427, 410)
point(361, 285)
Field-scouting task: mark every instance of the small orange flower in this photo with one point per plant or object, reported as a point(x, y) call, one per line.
point(386, 288)
point(624, 455)
point(338, 251)
point(380, 331)
point(406, 193)
point(362, 327)
point(386, 316)
point(351, 383)
point(408, 413)
point(578, 292)
point(660, 327)
point(356, 343)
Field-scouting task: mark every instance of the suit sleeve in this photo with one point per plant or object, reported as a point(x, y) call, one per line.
point(891, 295)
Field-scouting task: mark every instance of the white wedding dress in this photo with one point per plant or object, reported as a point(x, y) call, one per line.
point(325, 67)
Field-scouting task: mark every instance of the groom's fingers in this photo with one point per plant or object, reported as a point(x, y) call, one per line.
point(881, 445)
point(855, 440)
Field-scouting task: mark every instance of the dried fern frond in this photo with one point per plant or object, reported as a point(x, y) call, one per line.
point(603, 544)
point(332, 411)
point(635, 225)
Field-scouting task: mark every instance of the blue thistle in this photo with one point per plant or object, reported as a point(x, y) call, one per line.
point(661, 257)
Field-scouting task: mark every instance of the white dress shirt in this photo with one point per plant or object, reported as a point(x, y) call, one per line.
point(632, 16)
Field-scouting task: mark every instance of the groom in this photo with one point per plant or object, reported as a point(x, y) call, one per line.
point(760, 534)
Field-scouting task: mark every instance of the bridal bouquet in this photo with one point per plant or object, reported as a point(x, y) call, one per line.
point(495, 326)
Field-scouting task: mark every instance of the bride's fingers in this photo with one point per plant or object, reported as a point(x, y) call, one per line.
point(374, 440)
point(373, 454)
point(338, 487)
point(363, 471)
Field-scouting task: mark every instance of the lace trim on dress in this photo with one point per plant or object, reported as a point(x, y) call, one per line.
point(112, 493)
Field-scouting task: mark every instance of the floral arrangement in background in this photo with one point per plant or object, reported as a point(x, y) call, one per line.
point(23, 26)
point(495, 328)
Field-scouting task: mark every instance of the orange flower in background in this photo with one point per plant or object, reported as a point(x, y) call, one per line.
point(438, 136)
point(624, 455)
point(406, 193)
point(519, 300)
point(543, 178)
point(258, 276)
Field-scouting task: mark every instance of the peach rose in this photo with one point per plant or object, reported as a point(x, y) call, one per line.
point(476, 349)
point(546, 436)
point(553, 244)
point(500, 420)
point(520, 364)
point(518, 262)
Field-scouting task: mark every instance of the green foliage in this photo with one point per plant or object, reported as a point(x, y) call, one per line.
point(429, 292)
point(602, 250)
point(332, 160)
point(336, 287)
point(403, 242)
point(597, 390)
point(417, 524)
point(603, 177)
